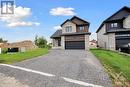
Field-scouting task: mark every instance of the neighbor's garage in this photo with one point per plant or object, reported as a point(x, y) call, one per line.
point(75, 42)
point(123, 44)
point(123, 41)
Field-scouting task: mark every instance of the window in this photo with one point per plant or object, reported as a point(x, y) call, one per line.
point(81, 28)
point(68, 29)
point(114, 25)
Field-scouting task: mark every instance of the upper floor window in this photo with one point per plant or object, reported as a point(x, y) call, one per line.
point(114, 25)
point(81, 28)
point(68, 29)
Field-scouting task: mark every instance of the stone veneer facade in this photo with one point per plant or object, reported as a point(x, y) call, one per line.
point(126, 22)
point(106, 41)
point(73, 36)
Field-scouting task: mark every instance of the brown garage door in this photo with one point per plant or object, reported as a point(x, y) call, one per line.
point(74, 45)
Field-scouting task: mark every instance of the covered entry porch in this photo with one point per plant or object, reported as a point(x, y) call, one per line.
point(56, 43)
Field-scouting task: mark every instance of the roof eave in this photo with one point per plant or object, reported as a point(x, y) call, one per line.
point(64, 22)
point(100, 27)
point(54, 37)
point(125, 7)
point(66, 34)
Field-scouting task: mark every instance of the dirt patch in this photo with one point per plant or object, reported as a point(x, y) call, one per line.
point(10, 82)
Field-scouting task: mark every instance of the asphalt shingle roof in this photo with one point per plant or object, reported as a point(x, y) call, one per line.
point(57, 34)
point(124, 14)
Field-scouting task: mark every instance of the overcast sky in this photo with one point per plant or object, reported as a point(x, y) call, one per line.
point(43, 17)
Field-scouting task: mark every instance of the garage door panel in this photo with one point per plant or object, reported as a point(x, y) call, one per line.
point(122, 42)
point(74, 45)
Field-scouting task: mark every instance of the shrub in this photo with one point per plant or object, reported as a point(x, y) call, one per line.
point(41, 42)
point(4, 50)
point(48, 46)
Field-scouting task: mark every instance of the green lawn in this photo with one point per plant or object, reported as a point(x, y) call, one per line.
point(118, 62)
point(17, 57)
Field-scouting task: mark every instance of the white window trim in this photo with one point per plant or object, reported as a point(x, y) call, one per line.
point(114, 25)
point(68, 29)
point(81, 28)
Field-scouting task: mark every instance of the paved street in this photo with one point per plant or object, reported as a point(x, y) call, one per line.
point(59, 68)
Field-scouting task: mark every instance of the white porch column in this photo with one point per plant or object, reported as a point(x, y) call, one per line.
point(53, 42)
point(86, 42)
point(63, 42)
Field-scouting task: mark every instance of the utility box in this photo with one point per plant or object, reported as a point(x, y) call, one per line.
point(0, 51)
point(22, 49)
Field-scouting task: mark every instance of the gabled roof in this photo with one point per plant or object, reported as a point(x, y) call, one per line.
point(122, 13)
point(72, 20)
point(57, 34)
point(93, 41)
point(75, 17)
point(65, 22)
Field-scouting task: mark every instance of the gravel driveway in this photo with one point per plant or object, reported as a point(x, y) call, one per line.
point(71, 68)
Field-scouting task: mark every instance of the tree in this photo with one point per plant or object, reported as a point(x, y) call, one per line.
point(41, 42)
point(3, 41)
point(36, 40)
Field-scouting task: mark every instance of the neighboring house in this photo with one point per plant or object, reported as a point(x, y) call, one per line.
point(73, 35)
point(18, 46)
point(93, 43)
point(114, 32)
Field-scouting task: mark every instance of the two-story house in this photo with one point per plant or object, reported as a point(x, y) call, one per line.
point(73, 35)
point(114, 32)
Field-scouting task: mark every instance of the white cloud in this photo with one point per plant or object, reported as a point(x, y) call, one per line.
point(17, 19)
point(60, 11)
point(93, 36)
point(57, 27)
point(22, 23)
point(36, 23)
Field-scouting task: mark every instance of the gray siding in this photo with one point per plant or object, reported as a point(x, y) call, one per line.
point(126, 22)
point(101, 38)
point(106, 41)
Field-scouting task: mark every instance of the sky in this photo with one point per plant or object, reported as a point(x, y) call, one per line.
point(43, 17)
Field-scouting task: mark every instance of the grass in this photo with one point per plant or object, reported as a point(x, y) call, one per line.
point(118, 62)
point(20, 56)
